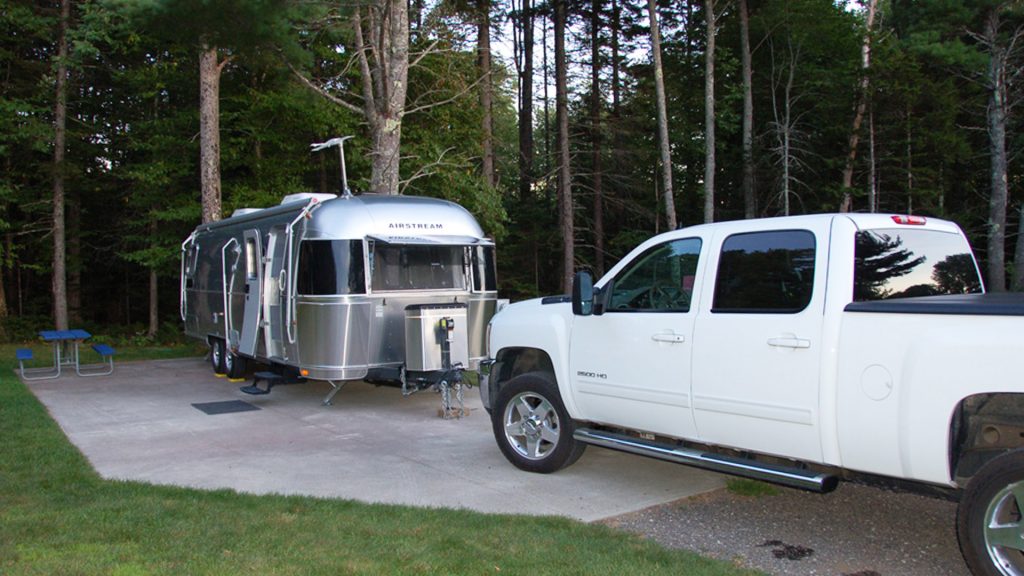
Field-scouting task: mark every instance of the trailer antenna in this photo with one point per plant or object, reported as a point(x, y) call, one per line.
point(340, 143)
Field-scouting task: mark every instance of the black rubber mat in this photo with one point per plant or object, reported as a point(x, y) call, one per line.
point(227, 407)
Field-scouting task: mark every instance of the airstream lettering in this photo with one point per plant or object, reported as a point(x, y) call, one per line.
point(326, 285)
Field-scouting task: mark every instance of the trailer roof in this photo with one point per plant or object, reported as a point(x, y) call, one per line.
point(406, 219)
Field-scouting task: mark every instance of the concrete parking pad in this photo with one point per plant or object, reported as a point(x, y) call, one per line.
point(372, 445)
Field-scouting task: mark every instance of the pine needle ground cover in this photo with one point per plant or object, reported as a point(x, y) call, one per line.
point(57, 516)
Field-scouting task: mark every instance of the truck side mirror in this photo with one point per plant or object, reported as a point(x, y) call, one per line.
point(582, 294)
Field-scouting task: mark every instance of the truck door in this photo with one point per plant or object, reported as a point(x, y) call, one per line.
point(631, 364)
point(275, 282)
point(758, 346)
point(253, 253)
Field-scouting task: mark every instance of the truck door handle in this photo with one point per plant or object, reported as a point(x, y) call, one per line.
point(789, 342)
point(670, 337)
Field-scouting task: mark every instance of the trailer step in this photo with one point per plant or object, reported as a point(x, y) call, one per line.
point(272, 379)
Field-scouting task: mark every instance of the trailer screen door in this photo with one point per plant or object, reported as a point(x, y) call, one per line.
point(417, 267)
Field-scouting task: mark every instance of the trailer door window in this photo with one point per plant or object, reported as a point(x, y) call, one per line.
point(417, 267)
point(331, 267)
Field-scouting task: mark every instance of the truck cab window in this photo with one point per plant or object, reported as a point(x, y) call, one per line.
point(417, 267)
point(901, 263)
point(765, 272)
point(331, 267)
point(660, 279)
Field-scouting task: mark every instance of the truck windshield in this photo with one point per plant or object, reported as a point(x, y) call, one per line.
point(902, 263)
point(417, 267)
point(331, 267)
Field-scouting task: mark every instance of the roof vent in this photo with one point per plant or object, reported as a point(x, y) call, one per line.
point(305, 196)
point(244, 211)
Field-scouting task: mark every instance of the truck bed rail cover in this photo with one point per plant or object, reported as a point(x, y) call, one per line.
point(993, 304)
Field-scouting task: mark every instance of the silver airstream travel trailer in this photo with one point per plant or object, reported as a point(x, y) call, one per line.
point(341, 288)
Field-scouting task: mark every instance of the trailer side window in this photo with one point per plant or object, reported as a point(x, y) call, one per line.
point(485, 277)
point(331, 267)
point(417, 267)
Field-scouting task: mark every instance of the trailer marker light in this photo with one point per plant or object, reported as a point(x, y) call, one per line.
point(304, 372)
point(910, 220)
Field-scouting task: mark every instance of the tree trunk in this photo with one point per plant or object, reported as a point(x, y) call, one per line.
point(595, 134)
point(486, 91)
point(154, 301)
point(565, 211)
point(616, 57)
point(997, 113)
point(749, 197)
point(209, 131)
point(1018, 257)
point(60, 118)
point(385, 42)
point(858, 116)
point(663, 142)
point(526, 106)
point(709, 112)
point(73, 237)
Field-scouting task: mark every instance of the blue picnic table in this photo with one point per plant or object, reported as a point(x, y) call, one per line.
point(66, 352)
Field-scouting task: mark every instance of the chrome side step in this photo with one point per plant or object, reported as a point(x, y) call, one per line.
point(786, 475)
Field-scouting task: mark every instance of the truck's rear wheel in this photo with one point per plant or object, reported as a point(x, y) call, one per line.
point(217, 351)
point(990, 519)
point(532, 427)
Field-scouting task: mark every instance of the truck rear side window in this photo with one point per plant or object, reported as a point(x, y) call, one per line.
point(902, 263)
point(331, 267)
point(417, 267)
point(765, 272)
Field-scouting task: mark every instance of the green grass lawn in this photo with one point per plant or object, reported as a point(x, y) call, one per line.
point(58, 517)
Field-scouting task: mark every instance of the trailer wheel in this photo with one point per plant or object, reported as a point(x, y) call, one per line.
point(532, 427)
point(217, 350)
point(234, 365)
point(990, 518)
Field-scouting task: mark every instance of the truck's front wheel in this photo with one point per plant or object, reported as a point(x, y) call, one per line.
point(990, 519)
point(532, 427)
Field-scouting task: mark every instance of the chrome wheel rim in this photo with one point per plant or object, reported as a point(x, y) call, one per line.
point(215, 355)
point(532, 427)
point(229, 362)
point(1004, 530)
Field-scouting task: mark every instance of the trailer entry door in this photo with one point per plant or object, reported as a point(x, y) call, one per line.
point(274, 286)
point(253, 292)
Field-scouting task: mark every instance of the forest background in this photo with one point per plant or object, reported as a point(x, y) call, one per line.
point(586, 129)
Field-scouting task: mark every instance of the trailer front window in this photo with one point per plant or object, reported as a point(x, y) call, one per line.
point(331, 267)
point(417, 267)
point(484, 275)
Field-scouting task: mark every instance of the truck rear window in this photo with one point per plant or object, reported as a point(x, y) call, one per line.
point(902, 263)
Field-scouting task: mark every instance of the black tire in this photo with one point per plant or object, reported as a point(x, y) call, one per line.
point(532, 427)
point(990, 518)
point(217, 351)
point(234, 365)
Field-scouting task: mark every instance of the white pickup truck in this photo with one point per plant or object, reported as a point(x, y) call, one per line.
point(799, 350)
